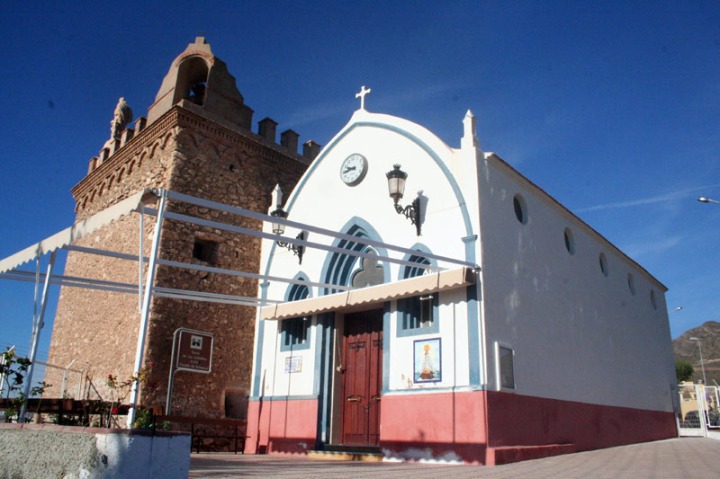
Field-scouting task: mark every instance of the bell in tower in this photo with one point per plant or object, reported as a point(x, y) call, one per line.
point(200, 79)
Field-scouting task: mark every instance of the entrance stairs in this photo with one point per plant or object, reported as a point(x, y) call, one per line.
point(348, 453)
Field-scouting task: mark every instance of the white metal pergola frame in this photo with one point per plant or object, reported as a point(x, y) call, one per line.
point(146, 289)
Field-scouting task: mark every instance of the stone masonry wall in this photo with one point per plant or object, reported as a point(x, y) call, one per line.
point(99, 329)
point(209, 166)
point(199, 157)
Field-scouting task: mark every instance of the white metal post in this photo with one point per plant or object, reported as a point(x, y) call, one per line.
point(141, 254)
point(37, 327)
point(65, 375)
point(80, 383)
point(701, 401)
point(145, 313)
point(702, 363)
point(171, 377)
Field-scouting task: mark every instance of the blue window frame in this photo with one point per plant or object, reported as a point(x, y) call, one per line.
point(294, 331)
point(418, 314)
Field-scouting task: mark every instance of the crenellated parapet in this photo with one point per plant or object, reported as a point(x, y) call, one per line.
point(199, 93)
point(121, 167)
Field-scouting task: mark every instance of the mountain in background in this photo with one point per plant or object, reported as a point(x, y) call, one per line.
point(709, 336)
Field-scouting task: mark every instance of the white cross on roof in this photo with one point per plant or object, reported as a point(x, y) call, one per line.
point(361, 94)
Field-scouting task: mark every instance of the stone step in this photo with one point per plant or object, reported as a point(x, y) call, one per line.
point(351, 448)
point(348, 453)
point(510, 454)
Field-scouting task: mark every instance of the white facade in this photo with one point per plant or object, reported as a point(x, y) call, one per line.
point(577, 332)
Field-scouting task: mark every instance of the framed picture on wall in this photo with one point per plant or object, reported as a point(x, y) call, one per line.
point(427, 366)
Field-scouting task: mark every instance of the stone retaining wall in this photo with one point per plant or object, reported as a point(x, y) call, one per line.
point(33, 451)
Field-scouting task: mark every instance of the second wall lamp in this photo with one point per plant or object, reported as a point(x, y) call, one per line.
point(396, 187)
point(279, 228)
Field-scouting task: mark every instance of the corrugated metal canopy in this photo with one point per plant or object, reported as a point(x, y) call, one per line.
point(75, 232)
point(430, 283)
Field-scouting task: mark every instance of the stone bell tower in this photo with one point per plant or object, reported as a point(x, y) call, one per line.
point(196, 140)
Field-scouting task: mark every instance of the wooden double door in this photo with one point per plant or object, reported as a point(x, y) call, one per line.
point(362, 378)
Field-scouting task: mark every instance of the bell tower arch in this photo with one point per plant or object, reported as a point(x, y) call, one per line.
point(200, 79)
point(192, 80)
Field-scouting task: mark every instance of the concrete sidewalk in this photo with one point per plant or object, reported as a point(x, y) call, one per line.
point(672, 459)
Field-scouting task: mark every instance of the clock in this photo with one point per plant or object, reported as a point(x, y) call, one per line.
point(353, 169)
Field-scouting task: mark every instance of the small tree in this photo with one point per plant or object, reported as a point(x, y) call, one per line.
point(120, 391)
point(683, 370)
point(14, 369)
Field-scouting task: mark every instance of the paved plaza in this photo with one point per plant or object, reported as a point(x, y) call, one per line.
point(672, 459)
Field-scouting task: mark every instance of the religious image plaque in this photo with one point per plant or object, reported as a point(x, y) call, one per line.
point(293, 364)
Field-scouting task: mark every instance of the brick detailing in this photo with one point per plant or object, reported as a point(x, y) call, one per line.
point(196, 154)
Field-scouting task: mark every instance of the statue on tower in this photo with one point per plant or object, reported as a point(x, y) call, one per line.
point(123, 115)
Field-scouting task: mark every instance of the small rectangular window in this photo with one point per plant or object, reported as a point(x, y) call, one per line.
point(236, 403)
point(417, 312)
point(505, 366)
point(294, 333)
point(426, 318)
point(418, 315)
point(206, 250)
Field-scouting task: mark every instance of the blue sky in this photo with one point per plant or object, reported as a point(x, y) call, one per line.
point(613, 108)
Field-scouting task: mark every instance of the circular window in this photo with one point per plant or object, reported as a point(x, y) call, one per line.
point(520, 209)
point(631, 283)
point(653, 299)
point(569, 241)
point(603, 264)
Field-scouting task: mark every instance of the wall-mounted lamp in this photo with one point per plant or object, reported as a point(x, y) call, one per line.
point(279, 228)
point(396, 187)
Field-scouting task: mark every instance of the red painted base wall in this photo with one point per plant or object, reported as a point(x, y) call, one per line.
point(524, 420)
point(481, 427)
point(487, 427)
point(443, 426)
point(281, 426)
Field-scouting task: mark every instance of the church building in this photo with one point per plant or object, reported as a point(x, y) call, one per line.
point(386, 294)
point(427, 302)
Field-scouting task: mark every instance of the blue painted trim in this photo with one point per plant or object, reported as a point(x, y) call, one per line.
point(431, 390)
point(387, 318)
point(420, 248)
point(322, 382)
point(406, 333)
point(470, 247)
point(318, 350)
point(282, 398)
point(284, 348)
point(296, 292)
point(291, 292)
point(473, 319)
point(476, 355)
point(470, 239)
point(404, 273)
point(338, 266)
point(260, 335)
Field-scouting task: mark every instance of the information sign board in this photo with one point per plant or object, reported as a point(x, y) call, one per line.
point(194, 351)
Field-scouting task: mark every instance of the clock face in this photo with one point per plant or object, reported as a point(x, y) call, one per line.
point(353, 169)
